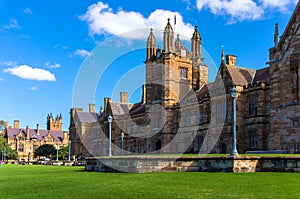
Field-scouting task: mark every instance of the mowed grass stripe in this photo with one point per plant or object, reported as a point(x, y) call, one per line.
point(33, 181)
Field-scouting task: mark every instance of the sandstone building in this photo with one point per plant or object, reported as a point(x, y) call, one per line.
point(181, 112)
point(26, 140)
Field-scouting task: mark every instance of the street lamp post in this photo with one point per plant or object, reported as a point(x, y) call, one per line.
point(109, 131)
point(4, 156)
point(122, 143)
point(69, 154)
point(234, 92)
point(57, 152)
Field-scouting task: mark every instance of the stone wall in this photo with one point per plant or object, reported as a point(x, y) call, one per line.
point(143, 164)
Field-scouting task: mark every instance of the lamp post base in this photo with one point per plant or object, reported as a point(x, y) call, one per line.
point(234, 153)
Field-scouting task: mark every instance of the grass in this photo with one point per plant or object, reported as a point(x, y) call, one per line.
point(214, 155)
point(36, 181)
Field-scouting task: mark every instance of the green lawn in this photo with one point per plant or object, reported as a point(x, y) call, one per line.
point(32, 181)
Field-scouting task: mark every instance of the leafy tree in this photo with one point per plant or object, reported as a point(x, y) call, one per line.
point(2, 128)
point(10, 153)
point(47, 150)
point(63, 153)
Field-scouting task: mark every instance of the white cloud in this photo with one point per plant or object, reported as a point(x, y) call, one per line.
point(102, 20)
point(236, 9)
point(282, 5)
point(34, 88)
point(240, 10)
point(1, 79)
point(82, 53)
point(13, 24)
point(50, 65)
point(27, 11)
point(27, 72)
point(9, 63)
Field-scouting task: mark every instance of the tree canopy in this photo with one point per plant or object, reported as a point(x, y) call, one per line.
point(46, 150)
point(10, 153)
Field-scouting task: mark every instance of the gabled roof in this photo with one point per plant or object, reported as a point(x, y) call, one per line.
point(262, 75)
point(118, 108)
point(88, 117)
point(240, 76)
point(204, 90)
point(57, 135)
point(290, 23)
point(137, 109)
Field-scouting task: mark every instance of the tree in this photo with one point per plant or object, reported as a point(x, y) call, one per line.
point(46, 150)
point(2, 128)
point(63, 153)
point(10, 153)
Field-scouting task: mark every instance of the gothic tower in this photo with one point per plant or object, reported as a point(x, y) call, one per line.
point(151, 46)
point(200, 71)
point(54, 124)
point(168, 38)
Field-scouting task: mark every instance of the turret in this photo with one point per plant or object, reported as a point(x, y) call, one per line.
point(196, 44)
point(151, 46)
point(276, 35)
point(178, 43)
point(168, 38)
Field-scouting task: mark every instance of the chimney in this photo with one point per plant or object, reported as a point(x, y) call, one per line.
point(101, 109)
point(16, 124)
point(144, 94)
point(123, 97)
point(106, 102)
point(27, 132)
point(92, 108)
point(231, 60)
point(6, 125)
point(37, 129)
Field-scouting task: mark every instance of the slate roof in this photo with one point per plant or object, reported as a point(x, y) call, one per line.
point(120, 108)
point(137, 108)
point(262, 75)
point(240, 76)
point(57, 135)
point(88, 117)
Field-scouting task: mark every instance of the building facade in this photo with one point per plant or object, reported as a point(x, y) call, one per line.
point(26, 140)
point(181, 112)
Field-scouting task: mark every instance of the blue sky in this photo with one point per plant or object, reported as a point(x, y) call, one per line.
point(44, 44)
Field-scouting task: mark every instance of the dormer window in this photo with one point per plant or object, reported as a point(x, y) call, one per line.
point(183, 73)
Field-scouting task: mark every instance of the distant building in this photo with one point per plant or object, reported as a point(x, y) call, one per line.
point(26, 140)
point(196, 116)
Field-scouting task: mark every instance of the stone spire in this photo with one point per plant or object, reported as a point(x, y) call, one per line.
point(196, 43)
point(168, 38)
point(222, 56)
point(151, 45)
point(178, 43)
point(276, 35)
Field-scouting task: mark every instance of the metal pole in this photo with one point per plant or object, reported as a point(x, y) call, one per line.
point(122, 143)
point(56, 151)
point(233, 95)
point(69, 154)
point(109, 131)
point(4, 157)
